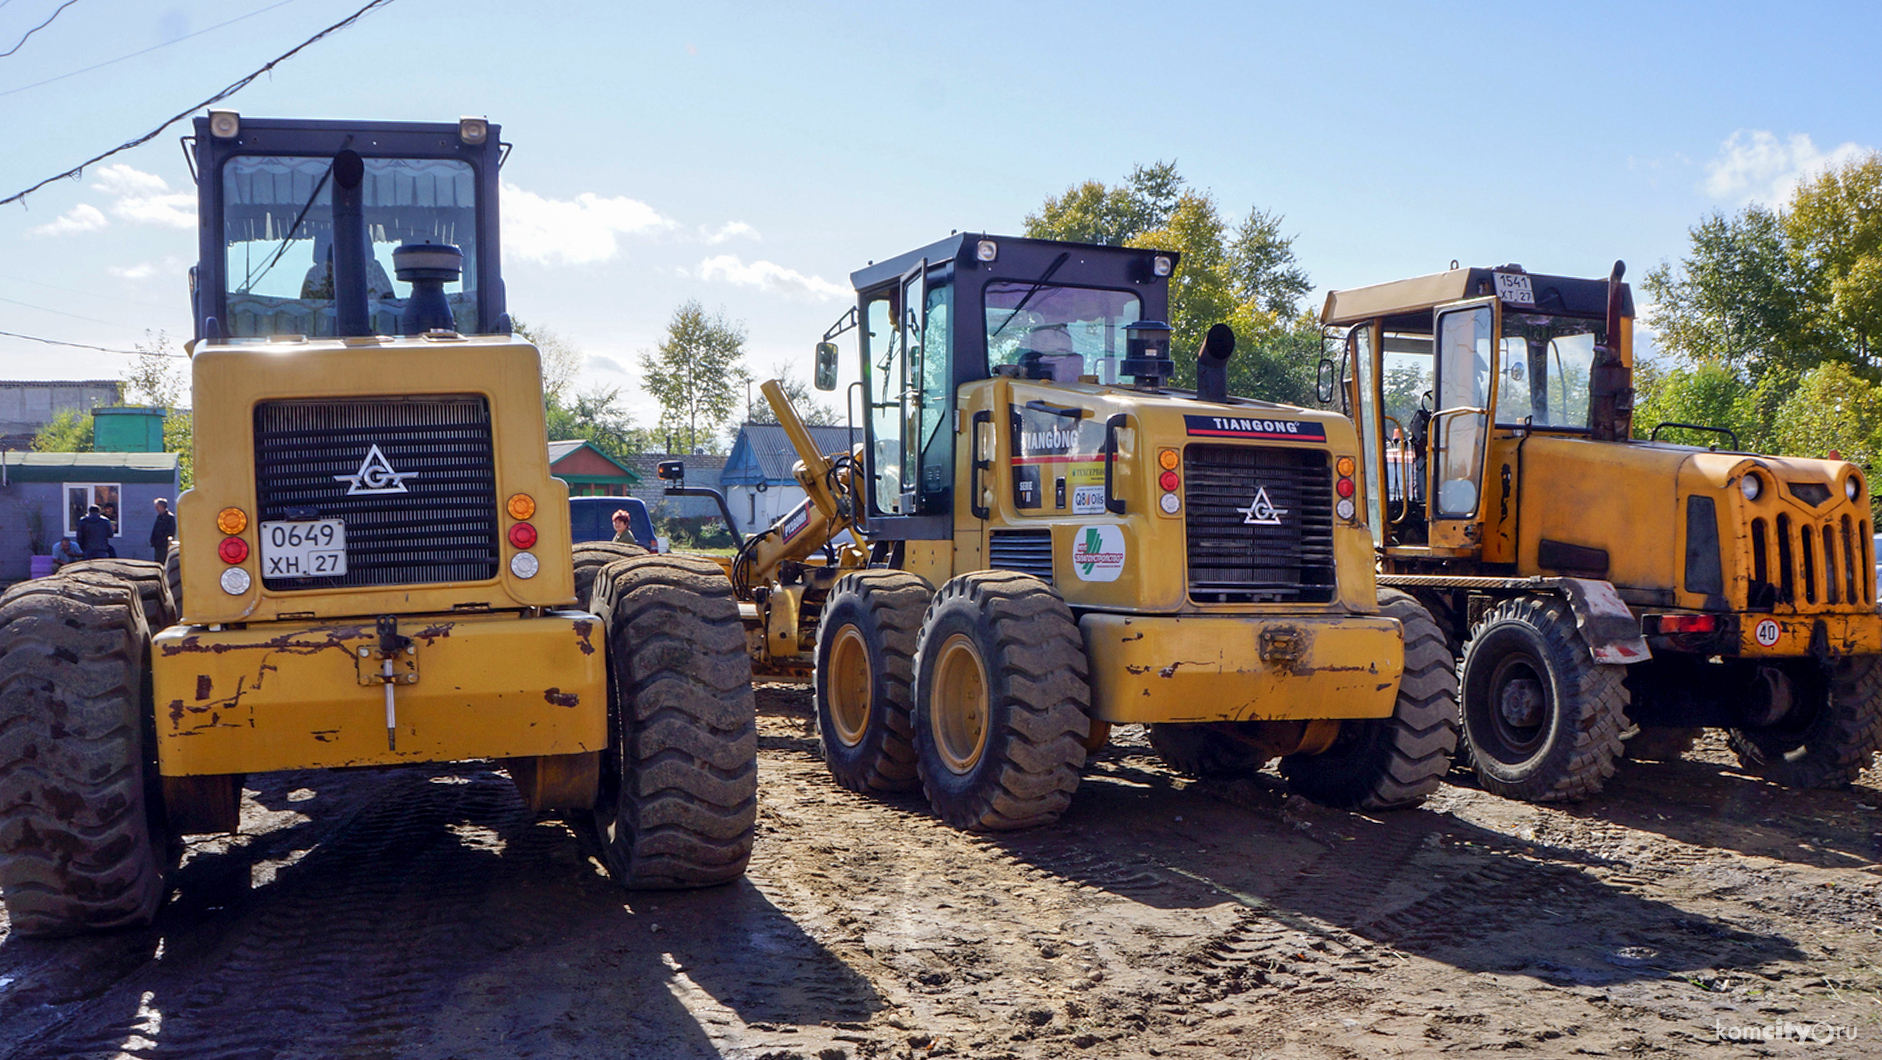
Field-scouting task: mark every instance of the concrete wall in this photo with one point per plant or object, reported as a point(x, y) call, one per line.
point(27, 405)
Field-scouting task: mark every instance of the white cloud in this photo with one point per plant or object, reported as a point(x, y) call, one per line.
point(1755, 166)
point(598, 363)
point(143, 270)
point(768, 276)
point(80, 218)
point(728, 230)
point(578, 231)
point(145, 198)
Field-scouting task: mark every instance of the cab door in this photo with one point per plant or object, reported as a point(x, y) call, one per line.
point(891, 326)
point(1465, 335)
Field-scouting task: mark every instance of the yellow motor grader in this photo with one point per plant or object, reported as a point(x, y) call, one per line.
point(1610, 595)
point(1040, 539)
point(375, 563)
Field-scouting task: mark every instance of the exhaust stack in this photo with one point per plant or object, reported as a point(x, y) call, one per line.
point(1611, 386)
point(1212, 364)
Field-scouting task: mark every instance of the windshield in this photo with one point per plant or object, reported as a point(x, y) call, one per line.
point(1546, 363)
point(1058, 332)
point(277, 228)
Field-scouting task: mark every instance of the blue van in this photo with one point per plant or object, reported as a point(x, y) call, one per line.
point(592, 519)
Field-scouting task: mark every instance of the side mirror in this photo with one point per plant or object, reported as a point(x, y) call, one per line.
point(826, 366)
point(673, 471)
point(1329, 374)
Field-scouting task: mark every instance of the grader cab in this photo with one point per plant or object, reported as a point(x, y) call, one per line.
point(1048, 540)
point(1610, 595)
point(375, 564)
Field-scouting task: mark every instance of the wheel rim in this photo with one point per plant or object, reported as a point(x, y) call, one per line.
point(1518, 708)
point(849, 687)
point(957, 709)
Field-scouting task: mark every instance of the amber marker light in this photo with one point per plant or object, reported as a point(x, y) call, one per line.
point(232, 520)
point(1167, 459)
point(521, 506)
point(523, 535)
point(1345, 467)
point(232, 550)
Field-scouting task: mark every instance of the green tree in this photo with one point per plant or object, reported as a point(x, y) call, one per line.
point(696, 374)
point(561, 360)
point(598, 417)
point(1247, 277)
point(1834, 229)
point(158, 377)
point(68, 432)
point(1736, 298)
point(803, 398)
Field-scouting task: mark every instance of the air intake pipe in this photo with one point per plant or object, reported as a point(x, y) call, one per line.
point(1611, 382)
point(1212, 364)
point(350, 248)
point(428, 267)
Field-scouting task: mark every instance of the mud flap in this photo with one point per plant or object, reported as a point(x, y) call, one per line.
point(1602, 617)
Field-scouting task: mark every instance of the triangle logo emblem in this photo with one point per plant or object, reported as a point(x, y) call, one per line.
point(1261, 511)
point(375, 475)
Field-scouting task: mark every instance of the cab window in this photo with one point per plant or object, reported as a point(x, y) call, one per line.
point(1056, 332)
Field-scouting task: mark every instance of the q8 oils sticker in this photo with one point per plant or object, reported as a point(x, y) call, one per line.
point(1098, 553)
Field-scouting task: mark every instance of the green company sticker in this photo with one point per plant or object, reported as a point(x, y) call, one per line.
point(1098, 553)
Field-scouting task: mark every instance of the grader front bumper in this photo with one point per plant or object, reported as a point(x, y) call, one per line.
point(312, 696)
point(1241, 667)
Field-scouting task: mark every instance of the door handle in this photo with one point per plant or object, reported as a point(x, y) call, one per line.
point(981, 511)
point(1114, 505)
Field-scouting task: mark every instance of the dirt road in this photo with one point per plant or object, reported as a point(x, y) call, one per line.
point(423, 913)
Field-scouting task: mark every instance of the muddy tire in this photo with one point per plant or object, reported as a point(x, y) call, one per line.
point(1827, 747)
point(1542, 718)
point(1658, 743)
point(82, 845)
point(1002, 706)
point(173, 576)
point(1206, 751)
point(590, 557)
point(865, 679)
point(679, 785)
point(146, 577)
point(1395, 762)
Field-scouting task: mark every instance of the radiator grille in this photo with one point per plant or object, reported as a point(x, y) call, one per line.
point(1026, 551)
point(1821, 564)
point(442, 528)
point(1242, 551)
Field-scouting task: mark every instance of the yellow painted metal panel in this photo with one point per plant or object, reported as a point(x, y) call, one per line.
point(230, 380)
point(1198, 669)
point(1848, 634)
point(289, 696)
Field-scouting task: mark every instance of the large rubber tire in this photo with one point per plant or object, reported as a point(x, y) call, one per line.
point(1542, 718)
point(865, 678)
point(82, 844)
point(1828, 746)
point(1002, 706)
point(590, 557)
point(145, 577)
point(1206, 751)
point(679, 785)
point(1395, 762)
point(173, 576)
point(1659, 743)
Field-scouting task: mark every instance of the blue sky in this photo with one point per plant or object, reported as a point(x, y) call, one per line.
point(752, 155)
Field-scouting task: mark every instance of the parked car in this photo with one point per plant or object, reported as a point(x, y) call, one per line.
point(592, 519)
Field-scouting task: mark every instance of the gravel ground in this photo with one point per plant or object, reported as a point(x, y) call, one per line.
point(1690, 910)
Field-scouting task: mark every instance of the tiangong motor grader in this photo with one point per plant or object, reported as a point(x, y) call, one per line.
point(1045, 539)
point(1610, 595)
point(375, 566)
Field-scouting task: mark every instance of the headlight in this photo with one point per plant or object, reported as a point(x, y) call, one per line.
point(1160, 265)
point(1751, 486)
point(1852, 488)
point(986, 250)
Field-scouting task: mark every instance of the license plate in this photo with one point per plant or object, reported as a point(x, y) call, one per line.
point(315, 549)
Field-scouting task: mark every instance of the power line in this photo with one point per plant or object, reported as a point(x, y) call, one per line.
point(217, 98)
point(36, 29)
point(88, 346)
point(145, 51)
point(115, 299)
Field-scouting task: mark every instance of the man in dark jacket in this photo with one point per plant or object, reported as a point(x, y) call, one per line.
point(94, 535)
point(162, 529)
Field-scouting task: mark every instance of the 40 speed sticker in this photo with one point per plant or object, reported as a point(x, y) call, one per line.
point(1098, 553)
point(1766, 633)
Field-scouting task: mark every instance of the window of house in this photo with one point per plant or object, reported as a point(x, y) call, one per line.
point(80, 496)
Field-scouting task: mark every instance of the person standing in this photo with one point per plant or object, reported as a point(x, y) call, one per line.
point(162, 529)
point(623, 532)
point(94, 535)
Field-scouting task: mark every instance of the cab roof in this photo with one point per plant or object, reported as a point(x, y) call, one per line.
point(961, 246)
point(1406, 302)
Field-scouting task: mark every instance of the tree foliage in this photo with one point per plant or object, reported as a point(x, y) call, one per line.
point(803, 398)
point(696, 374)
point(1245, 276)
point(68, 432)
